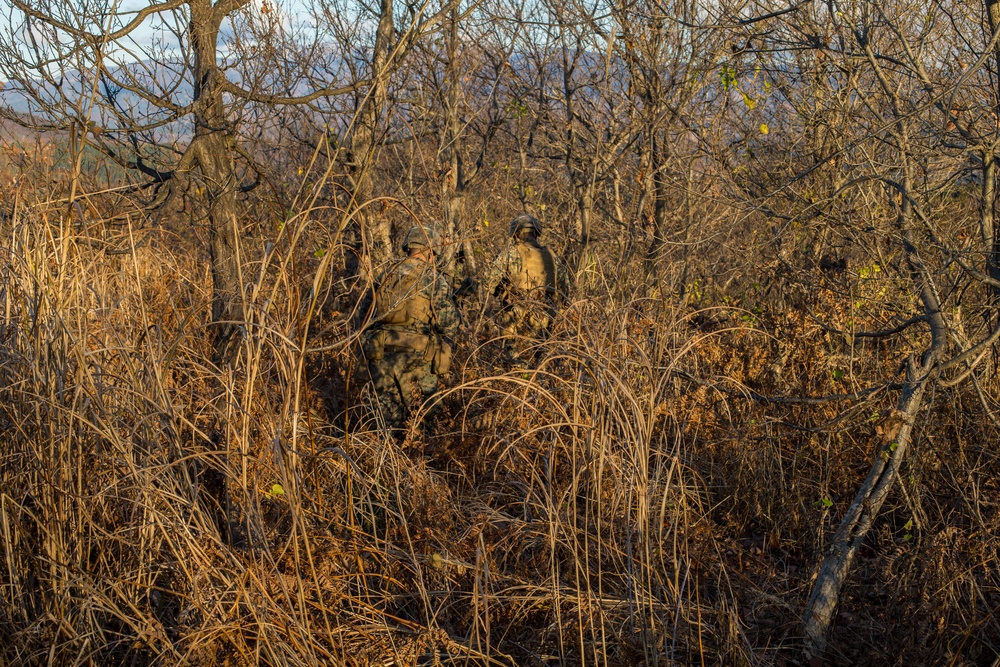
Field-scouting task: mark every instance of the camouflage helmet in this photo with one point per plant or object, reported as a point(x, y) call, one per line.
point(524, 221)
point(421, 237)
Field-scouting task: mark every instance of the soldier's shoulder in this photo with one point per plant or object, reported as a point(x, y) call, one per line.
point(501, 259)
point(410, 264)
point(397, 268)
point(429, 277)
point(412, 268)
point(512, 253)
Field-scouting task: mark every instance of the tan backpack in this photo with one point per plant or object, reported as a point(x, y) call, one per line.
point(538, 269)
point(399, 300)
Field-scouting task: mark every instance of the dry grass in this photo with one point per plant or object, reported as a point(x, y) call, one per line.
point(597, 507)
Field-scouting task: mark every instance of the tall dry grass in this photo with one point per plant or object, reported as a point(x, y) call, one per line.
point(159, 510)
point(622, 499)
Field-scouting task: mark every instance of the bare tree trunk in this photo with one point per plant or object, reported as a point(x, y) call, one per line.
point(453, 194)
point(365, 145)
point(657, 190)
point(862, 512)
point(868, 502)
point(227, 297)
point(989, 166)
point(212, 151)
point(987, 221)
point(585, 212)
point(660, 211)
point(584, 195)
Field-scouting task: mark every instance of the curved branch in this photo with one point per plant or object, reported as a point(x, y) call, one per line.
point(964, 374)
point(155, 175)
point(871, 334)
point(972, 351)
point(100, 39)
point(225, 7)
point(786, 400)
point(155, 100)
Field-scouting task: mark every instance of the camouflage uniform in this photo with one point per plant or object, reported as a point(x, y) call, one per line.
point(413, 312)
point(529, 280)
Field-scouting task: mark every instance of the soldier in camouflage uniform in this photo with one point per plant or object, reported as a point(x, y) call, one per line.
point(410, 315)
point(528, 279)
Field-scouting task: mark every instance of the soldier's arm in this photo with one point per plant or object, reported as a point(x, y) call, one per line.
point(361, 317)
point(562, 279)
point(446, 316)
point(499, 270)
point(493, 275)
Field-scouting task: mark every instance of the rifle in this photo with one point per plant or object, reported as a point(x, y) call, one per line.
point(468, 287)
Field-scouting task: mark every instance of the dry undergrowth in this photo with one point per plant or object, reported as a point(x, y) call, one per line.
point(621, 500)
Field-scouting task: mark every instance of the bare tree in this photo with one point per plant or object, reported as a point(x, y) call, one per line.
point(164, 108)
point(173, 108)
point(887, 107)
point(670, 50)
point(463, 72)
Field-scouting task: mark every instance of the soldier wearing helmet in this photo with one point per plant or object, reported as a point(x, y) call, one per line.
point(528, 280)
point(409, 315)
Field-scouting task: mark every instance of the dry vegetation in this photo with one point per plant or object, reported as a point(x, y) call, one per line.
point(764, 240)
point(626, 500)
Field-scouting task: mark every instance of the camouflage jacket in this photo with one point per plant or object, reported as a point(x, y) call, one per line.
point(443, 317)
point(502, 274)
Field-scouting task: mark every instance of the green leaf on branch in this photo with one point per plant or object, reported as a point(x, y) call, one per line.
point(728, 76)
